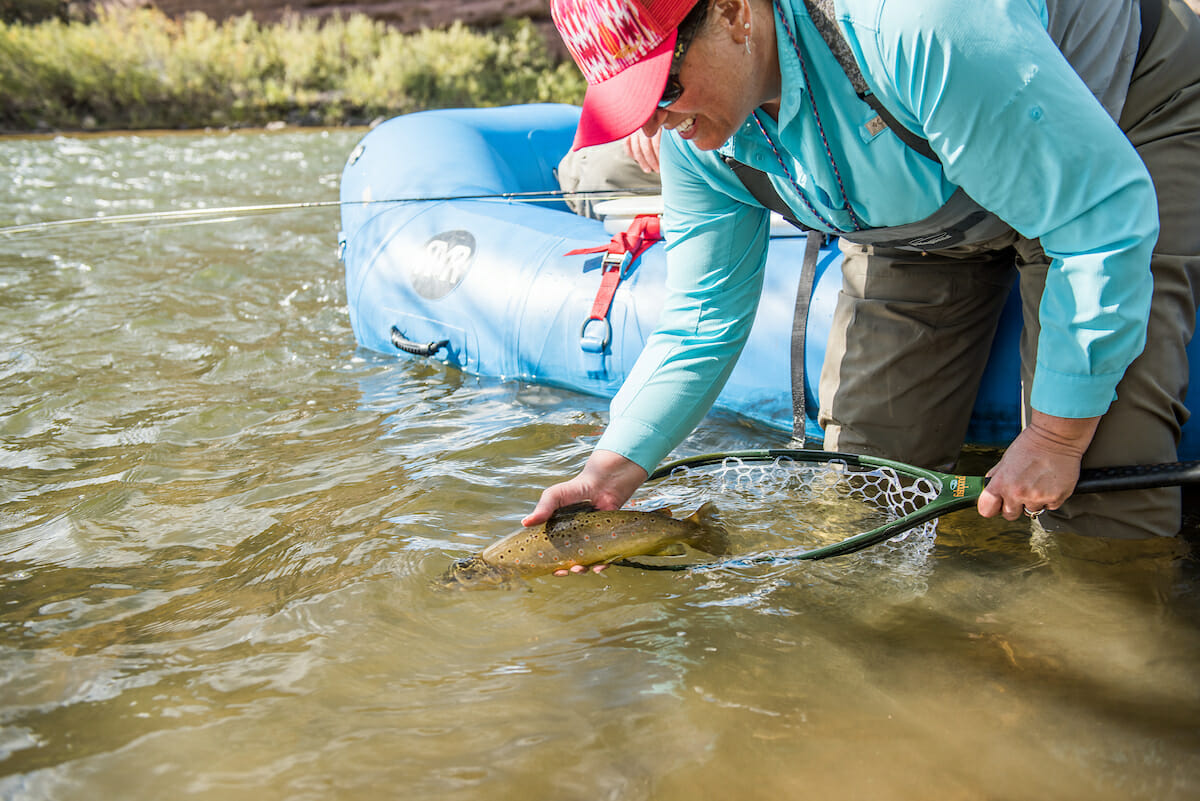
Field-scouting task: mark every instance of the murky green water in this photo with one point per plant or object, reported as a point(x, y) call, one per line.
point(219, 521)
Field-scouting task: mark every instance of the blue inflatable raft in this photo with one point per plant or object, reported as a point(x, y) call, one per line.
point(441, 266)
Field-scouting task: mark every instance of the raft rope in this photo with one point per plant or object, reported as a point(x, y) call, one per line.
point(549, 196)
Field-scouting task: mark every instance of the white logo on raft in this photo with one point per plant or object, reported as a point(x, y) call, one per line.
point(442, 264)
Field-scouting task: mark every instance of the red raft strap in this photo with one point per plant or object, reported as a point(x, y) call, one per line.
point(619, 255)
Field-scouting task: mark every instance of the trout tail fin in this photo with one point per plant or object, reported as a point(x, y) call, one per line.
point(711, 536)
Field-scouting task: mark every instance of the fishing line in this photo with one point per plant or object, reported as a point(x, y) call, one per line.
point(548, 196)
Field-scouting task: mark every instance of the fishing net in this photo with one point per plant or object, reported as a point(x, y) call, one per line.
point(822, 503)
point(783, 507)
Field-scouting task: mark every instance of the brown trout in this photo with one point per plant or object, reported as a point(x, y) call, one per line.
point(580, 534)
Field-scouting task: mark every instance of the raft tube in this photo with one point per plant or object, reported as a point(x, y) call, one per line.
point(484, 284)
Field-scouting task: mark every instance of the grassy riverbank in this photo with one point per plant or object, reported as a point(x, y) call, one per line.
point(137, 69)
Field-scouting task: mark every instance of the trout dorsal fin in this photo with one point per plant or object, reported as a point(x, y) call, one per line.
point(563, 514)
point(711, 536)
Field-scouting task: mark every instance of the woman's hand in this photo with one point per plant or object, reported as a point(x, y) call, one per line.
point(1039, 469)
point(607, 480)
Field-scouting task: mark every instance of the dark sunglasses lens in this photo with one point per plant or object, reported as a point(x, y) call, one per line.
point(683, 40)
point(671, 92)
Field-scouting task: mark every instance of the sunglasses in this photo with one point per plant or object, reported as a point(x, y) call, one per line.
point(683, 39)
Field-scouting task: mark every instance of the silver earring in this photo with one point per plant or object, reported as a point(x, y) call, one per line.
point(746, 26)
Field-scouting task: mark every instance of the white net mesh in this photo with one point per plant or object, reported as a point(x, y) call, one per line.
point(785, 504)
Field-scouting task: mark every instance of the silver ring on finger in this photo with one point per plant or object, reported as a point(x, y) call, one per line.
point(1033, 515)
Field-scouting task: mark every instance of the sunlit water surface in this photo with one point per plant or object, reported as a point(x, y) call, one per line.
point(220, 522)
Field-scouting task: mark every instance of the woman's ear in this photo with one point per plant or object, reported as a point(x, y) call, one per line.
point(733, 16)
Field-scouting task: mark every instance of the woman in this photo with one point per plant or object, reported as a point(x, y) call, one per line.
point(1063, 142)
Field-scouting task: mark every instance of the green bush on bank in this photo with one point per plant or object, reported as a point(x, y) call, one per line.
point(141, 69)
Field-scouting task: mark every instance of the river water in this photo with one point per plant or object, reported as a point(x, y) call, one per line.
point(220, 522)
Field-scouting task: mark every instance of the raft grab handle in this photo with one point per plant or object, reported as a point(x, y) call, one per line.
point(417, 348)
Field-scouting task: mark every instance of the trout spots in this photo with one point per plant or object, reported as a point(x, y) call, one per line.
point(582, 536)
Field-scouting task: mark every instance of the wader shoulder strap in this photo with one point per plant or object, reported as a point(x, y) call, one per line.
point(914, 142)
point(821, 13)
point(757, 183)
point(1150, 13)
point(808, 274)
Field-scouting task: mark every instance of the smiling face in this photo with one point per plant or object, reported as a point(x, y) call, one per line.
point(722, 82)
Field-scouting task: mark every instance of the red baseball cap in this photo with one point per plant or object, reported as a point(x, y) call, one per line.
point(624, 49)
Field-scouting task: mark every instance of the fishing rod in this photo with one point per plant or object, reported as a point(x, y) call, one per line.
point(546, 196)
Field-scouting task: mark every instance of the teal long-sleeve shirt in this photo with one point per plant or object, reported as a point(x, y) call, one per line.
point(1012, 124)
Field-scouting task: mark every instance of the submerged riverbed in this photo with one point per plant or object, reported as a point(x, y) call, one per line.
point(220, 521)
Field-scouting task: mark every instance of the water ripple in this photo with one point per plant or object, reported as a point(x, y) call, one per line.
point(221, 522)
